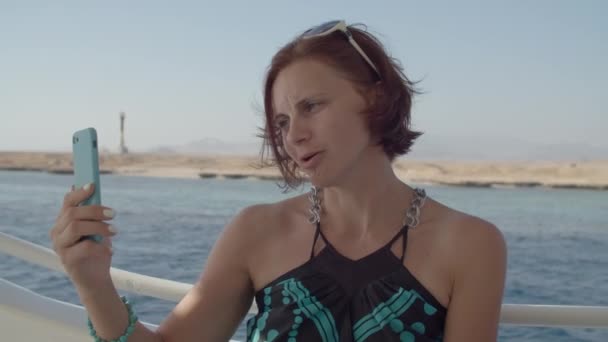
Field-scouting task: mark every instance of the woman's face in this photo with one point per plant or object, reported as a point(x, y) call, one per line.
point(318, 111)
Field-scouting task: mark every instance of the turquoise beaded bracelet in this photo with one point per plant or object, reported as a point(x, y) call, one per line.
point(128, 331)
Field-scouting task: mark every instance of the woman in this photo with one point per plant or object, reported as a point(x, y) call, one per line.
point(362, 257)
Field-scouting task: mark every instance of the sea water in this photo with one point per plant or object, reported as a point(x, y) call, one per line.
point(557, 239)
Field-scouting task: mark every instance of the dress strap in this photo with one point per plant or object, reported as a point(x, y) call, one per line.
point(317, 231)
point(396, 237)
point(411, 220)
point(401, 233)
point(404, 239)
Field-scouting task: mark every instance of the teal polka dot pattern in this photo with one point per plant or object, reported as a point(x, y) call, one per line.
point(267, 299)
point(256, 325)
point(429, 309)
point(301, 312)
point(294, 328)
point(256, 336)
point(297, 316)
point(407, 336)
point(286, 298)
point(272, 334)
point(396, 325)
point(250, 324)
point(419, 327)
point(262, 321)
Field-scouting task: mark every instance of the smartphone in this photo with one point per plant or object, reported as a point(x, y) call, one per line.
point(85, 161)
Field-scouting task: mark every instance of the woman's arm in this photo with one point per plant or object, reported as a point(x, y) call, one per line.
point(220, 299)
point(480, 258)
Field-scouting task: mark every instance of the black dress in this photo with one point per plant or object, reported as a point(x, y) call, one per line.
point(332, 298)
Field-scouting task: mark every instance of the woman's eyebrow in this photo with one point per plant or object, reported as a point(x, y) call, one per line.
point(302, 102)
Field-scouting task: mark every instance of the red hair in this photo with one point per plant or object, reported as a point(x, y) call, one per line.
point(388, 116)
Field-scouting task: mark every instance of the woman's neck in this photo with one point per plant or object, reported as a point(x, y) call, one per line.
point(367, 200)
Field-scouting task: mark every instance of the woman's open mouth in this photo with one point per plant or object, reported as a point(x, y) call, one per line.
point(311, 161)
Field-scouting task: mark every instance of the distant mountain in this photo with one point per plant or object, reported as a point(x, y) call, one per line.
point(429, 148)
point(211, 146)
point(496, 148)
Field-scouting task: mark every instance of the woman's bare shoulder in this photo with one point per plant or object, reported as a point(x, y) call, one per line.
point(475, 253)
point(468, 230)
point(465, 237)
point(460, 227)
point(269, 219)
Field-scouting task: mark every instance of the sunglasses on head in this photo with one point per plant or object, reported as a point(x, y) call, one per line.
point(338, 25)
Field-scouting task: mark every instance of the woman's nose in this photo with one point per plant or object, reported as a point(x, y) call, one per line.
point(298, 131)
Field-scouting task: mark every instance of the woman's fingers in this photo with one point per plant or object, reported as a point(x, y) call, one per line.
point(75, 230)
point(84, 213)
point(85, 260)
point(84, 250)
point(77, 196)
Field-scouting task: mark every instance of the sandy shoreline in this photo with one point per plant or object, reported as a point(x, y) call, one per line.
point(579, 174)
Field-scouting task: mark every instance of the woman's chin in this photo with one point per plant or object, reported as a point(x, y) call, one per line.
point(319, 180)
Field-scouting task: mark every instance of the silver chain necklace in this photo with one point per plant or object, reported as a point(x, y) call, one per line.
point(412, 214)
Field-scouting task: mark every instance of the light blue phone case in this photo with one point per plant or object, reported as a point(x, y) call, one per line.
point(85, 159)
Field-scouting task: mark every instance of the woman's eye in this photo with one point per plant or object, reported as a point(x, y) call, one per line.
point(281, 123)
point(310, 106)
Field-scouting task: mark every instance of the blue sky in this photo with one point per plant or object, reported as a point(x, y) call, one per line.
point(531, 71)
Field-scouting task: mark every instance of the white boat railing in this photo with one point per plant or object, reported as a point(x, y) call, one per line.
point(511, 314)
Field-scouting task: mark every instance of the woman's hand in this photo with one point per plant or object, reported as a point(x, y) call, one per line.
point(87, 262)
